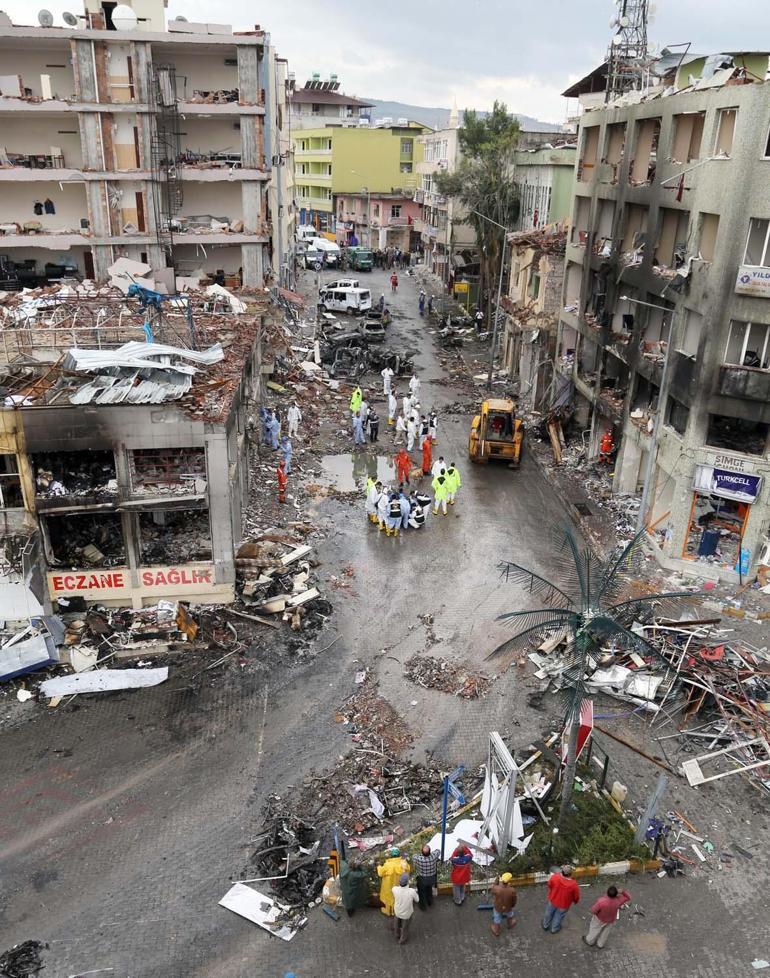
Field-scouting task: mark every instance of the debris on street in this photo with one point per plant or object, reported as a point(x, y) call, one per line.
point(22, 960)
point(261, 910)
point(438, 673)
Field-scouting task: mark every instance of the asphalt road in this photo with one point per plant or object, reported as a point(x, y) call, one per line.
point(123, 818)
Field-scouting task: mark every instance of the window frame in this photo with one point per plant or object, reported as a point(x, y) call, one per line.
point(765, 261)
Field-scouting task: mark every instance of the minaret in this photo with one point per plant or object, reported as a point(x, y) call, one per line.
point(454, 116)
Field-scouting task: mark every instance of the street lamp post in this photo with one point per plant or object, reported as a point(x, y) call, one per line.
point(662, 396)
point(499, 295)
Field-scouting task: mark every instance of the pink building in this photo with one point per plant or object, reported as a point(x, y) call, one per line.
point(377, 221)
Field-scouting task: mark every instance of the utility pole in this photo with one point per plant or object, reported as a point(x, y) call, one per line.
point(506, 232)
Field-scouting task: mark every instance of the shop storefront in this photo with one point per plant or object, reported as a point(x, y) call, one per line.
point(721, 507)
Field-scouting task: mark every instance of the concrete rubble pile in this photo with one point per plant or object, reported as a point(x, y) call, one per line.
point(438, 673)
point(714, 691)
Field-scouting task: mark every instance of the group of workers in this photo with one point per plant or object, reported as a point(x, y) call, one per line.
point(392, 509)
point(398, 898)
point(272, 438)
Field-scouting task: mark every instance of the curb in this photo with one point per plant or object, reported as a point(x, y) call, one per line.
point(580, 872)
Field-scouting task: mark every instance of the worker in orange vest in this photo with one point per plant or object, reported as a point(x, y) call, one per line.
point(607, 447)
point(403, 465)
point(427, 456)
point(283, 481)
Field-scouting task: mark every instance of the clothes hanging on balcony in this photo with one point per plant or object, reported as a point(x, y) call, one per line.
point(48, 206)
point(38, 208)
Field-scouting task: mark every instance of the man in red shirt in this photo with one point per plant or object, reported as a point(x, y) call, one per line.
point(563, 891)
point(461, 872)
point(604, 913)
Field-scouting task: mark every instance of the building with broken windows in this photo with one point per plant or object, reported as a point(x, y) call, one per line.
point(134, 137)
point(664, 332)
point(125, 462)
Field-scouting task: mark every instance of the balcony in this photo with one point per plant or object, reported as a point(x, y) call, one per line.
point(305, 153)
point(747, 383)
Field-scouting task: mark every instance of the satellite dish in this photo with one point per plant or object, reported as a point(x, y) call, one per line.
point(69, 19)
point(124, 18)
point(45, 18)
point(181, 18)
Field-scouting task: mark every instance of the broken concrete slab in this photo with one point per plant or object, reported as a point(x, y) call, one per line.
point(103, 680)
point(125, 272)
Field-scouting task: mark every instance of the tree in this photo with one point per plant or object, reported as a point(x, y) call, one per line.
point(585, 595)
point(483, 182)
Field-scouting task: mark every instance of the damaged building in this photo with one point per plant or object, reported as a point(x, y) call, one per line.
point(135, 137)
point(665, 323)
point(532, 308)
point(131, 458)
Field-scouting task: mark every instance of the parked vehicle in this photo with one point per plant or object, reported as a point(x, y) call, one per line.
point(330, 249)
point(350, 300)
point(360, 258)
point(373, 330)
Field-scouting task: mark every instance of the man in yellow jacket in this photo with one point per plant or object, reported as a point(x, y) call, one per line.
point(390, 873)
point(453, 482)
point(440, 492)
point(356, 399)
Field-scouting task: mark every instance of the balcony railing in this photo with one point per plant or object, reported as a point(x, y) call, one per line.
point(748, 383)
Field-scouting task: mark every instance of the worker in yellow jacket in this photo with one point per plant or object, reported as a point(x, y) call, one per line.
point(440, 493)
point(453, 482)
point(390, 873)
point(356, 399)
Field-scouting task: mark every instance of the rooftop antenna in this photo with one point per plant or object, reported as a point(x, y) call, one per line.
point(628, 50)
point(45, 18)
point(69, 19)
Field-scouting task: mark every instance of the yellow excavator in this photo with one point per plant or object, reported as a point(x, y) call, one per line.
point(496, 433)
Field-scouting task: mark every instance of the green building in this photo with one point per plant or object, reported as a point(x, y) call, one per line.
point(348, 160)
point(544, 176)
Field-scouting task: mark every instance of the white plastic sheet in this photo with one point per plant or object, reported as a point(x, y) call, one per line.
point(103, 680)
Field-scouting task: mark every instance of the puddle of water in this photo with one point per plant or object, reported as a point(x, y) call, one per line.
point(350, 472)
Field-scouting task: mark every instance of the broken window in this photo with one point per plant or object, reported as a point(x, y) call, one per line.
point(615, 375)
point(671, 248)
point(605, 219)
point(579, 233)
point(688, 135)
point(690, 335)
point(642, 169)
point(709, 228)
point(587, 360)
point(567, 344)
point(748, 345)
point(716, 529)
point(572, 291)
point(758, 243)
point(595, 311)
point(588, 157)
point(623, 317)
point(534, 285)
point(767, 147)
point(615, 142)
point(725, 132)
point(174, 536)
point(11, 496)
point(86, 540)
point(644, 402)
point(635, 229)
point(678, 415)
point(177, 471)
point(737, 434)
point(89, 475)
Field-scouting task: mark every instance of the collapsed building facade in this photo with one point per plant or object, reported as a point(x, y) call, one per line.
point(131, 137)
point(130, 457)
point(666, 304)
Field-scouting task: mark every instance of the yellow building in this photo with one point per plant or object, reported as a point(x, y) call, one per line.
point(337, 160)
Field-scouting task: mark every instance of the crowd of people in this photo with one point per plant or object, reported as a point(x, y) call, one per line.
point(404, 505)
point(398, 898)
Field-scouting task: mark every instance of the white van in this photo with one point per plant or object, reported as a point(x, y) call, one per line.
point(306, 232)
point(350, 300)
point(341, 283)
point(331, 250)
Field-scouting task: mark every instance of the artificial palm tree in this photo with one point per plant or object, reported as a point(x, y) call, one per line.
point(584, 602)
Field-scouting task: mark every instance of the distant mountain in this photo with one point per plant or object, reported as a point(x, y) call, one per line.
point(438, 118)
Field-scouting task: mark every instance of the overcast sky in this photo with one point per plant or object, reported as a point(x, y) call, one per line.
point(524, 52)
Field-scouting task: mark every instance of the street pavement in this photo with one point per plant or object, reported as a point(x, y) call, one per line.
point(124, 818)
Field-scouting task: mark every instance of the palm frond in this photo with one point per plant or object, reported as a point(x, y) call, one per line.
point(529, 619)
point(620, 567)
point(662, 597)
point(578, 559)
point(536, 584)
point(521, 638)
point(604, 628)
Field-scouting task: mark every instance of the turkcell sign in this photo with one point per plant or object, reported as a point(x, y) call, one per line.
point(753, 280)
point(740, 486)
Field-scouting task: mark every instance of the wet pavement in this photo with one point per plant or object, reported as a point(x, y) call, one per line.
point(124, 819)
